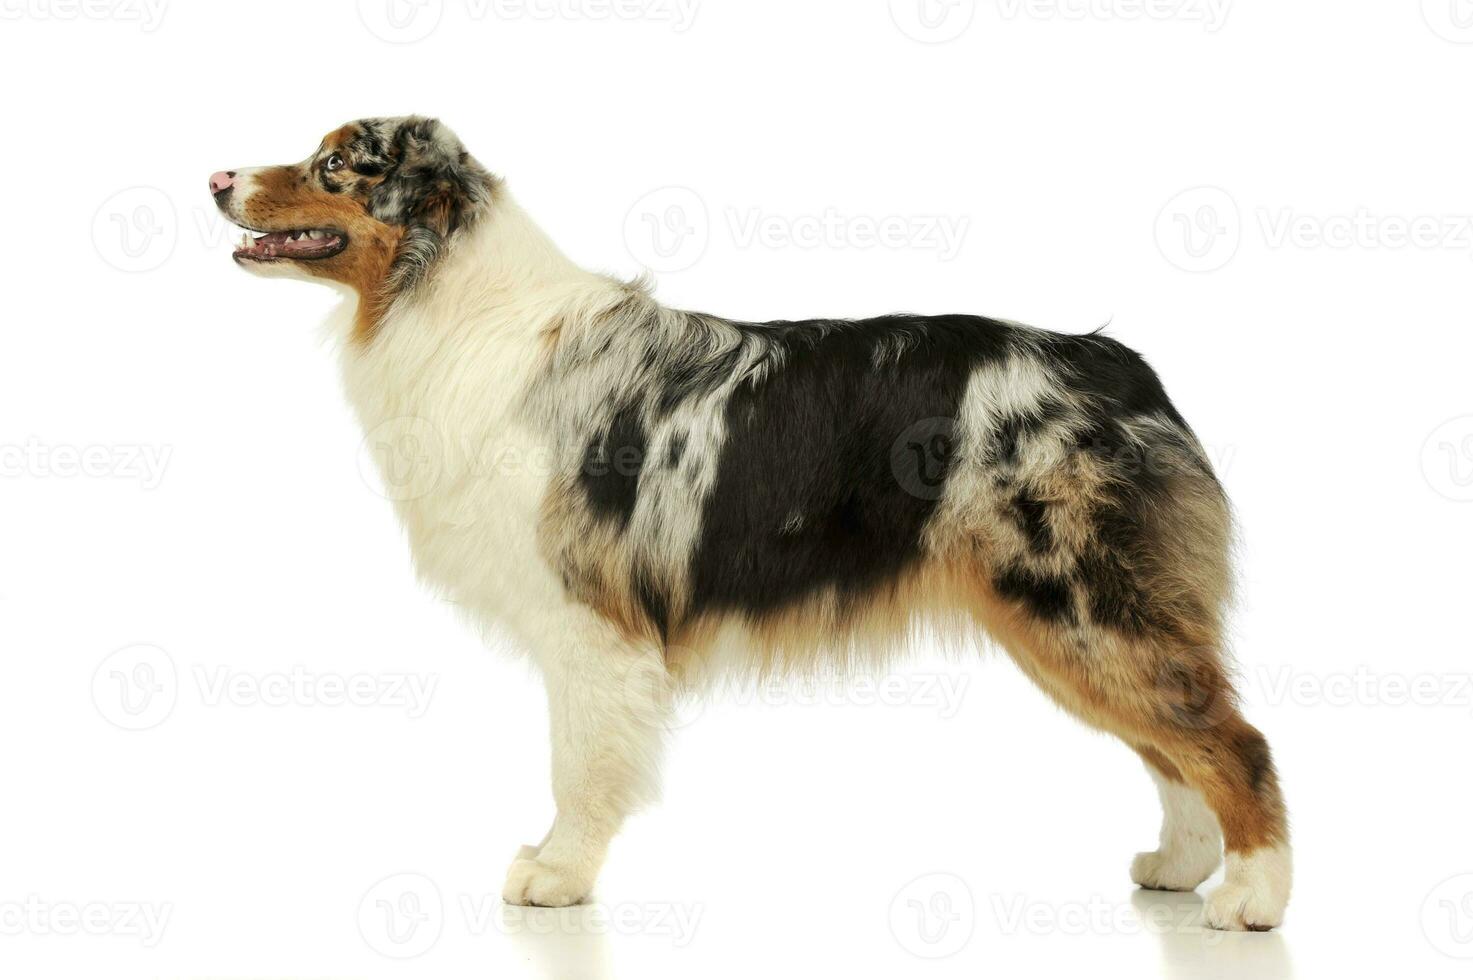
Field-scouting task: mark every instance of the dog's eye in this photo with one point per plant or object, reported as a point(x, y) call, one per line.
point(334, 162)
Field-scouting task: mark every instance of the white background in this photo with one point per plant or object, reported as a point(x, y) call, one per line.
point(1269, 199)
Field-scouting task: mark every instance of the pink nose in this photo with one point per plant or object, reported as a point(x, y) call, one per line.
point(222, 180)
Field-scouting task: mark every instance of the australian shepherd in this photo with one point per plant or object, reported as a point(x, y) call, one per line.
point(649, 500)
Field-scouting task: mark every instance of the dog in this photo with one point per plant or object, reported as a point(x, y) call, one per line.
point(649, 501)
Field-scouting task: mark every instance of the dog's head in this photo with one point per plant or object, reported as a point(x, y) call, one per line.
point(372, 207)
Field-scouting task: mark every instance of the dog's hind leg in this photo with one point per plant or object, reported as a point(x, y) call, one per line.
point(608, 704)
point(1213, 769)
point(1230, 764)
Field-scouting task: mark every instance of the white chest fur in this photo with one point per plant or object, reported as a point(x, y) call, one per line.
point(464, 475)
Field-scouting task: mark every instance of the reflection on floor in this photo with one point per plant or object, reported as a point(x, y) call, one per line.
point(1191, 950)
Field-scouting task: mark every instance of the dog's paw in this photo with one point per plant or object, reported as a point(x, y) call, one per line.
point(1255, 893)
point(530, 882)
point(527, 852)
point(1172, 871)
point(1239, 908)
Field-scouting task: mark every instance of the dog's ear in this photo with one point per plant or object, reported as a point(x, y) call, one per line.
point(433, 182)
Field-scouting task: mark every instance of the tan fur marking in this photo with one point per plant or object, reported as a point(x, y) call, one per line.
point(1129, 687)
point(1160, 763)
point(287, 198)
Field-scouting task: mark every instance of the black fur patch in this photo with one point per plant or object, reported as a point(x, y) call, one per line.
point(1031, 515)
point(1045, 596)
point(611, 467)
point(1111, 372)
point(806, 495)
point(1109, 568)
point(675, 450)
point(1013, 429)
point(1252, 750)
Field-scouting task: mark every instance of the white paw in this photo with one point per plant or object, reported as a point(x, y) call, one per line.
point(530, 882)
point(527, 852)
point(1255, 893)
point(1237, 908)
point(1173, 871)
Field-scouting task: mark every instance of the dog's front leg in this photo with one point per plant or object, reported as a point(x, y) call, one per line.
point(608, 702)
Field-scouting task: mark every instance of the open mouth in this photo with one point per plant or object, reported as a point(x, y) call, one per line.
point(302, 243)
